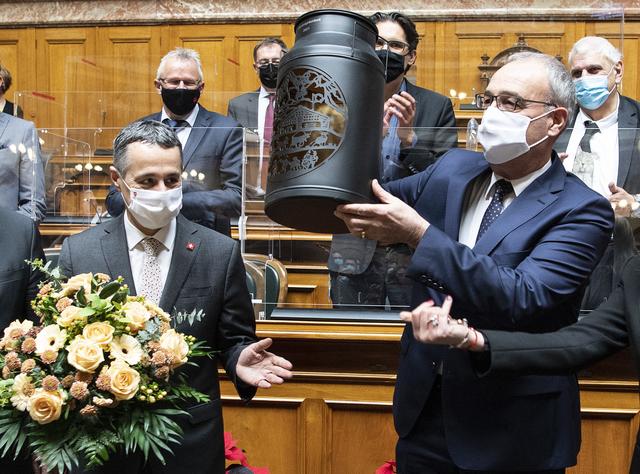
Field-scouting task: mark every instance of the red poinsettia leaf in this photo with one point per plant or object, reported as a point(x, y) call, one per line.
point(231, 451)
point(389, 467)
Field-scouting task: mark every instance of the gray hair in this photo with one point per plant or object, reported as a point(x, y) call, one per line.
point(182, 54)
point(595, 44)
point(149, 132)
point(562, 92)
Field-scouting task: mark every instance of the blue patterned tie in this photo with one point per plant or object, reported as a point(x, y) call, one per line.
point(502, 187)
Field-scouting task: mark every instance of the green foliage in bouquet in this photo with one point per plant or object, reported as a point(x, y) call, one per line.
point(96, 375)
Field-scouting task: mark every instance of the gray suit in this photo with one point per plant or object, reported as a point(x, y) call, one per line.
point(209, 277)
point(244, 109)
point(21, 176)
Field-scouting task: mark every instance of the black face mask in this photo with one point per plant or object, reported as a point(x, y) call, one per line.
point(180, 101)
point(269, 75)
point(394, 63)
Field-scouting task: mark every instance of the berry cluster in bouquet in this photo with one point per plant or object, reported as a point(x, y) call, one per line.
point(96, 375)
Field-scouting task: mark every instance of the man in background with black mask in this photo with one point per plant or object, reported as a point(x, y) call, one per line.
point(212, 145)
point(419, 125)
point(255, 110)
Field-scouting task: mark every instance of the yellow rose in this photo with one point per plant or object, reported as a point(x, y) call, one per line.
point(135, 315)
point(173, 342)
point(70, 315)
point(44, 406)
point(100, 333)
point(84, 355)
point(74, 283)
point(124, 380)
point(16, 329)
point(51, 338)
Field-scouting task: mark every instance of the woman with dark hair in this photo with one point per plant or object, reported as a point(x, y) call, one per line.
point(5, 105)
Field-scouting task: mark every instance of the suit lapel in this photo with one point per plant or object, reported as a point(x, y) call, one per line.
point(456, 193)
point(537, 196)
point(115, 251)
point(185, 249)
point(199, 130)
point(627, 137)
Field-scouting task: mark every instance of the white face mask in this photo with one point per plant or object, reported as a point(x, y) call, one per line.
point(503, 135)
point(154, 209)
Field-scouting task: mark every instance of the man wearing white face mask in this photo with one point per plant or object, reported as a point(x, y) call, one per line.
point(512, 237)
point(182, 266)
point(602, 142)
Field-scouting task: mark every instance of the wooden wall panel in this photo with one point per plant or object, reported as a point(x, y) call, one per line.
point(128, 60)
point(17, 54)
point(61, 75)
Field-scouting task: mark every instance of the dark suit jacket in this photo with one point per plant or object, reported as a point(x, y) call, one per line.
point(210, 277)
point(613, 325)
point(435, 118)
point(628, 142)
point(526, 271)
point(20, 241)
point(244, 109)
point(214, 148)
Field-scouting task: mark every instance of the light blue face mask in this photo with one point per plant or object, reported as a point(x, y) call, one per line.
point(593, 91)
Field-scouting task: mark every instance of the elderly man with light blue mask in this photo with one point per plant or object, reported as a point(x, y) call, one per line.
point(601, 146)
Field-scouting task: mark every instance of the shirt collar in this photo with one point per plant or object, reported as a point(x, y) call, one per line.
point(263, 94)
point(604, 122)
point(190, 119)
point(165, 235)
point(520, 184)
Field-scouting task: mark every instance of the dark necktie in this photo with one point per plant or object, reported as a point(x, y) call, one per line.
point(502, 188)
point(268, 119)
point(591, 128)
point(175, 124)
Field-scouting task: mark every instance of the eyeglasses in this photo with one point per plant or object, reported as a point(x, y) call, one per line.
point(506, 103)
point(399, 47)
point(175, 83)
point(266, 62)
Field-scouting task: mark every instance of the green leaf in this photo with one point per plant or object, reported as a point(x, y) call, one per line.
point(109, 289)
point(87, 311)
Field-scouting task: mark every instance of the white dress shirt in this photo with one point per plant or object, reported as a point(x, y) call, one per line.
point(166, 235)
point(184, 132)
point(479, 197)
point(605, 147)
point(263, 103)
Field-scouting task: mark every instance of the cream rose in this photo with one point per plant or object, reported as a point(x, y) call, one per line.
point(173, 342)
point(74, 283)
point(135, 315)
point(84, 355)
point(17, 329)
point(45, 407)
point(51, 338)
point(100, 333)
point(70, 315)
point(124, 380)
point(126, 348)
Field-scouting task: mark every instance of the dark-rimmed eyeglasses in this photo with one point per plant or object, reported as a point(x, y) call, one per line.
point(399, 47)
point(506, 103)
point(175, 83)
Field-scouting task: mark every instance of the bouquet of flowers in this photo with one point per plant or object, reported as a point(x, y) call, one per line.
point(95, 376)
